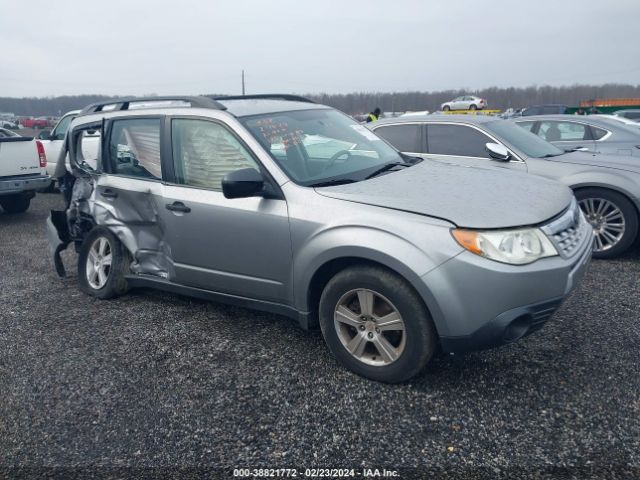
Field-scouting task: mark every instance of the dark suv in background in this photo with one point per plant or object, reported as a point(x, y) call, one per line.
point(550, 109)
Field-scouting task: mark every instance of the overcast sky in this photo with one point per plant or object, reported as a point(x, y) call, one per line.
point(201, 46)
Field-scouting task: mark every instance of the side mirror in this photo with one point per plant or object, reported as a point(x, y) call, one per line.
point(498, 152)
point(45, 135)
point(247, 182)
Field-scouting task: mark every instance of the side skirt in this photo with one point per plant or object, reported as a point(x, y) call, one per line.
point(148, 281)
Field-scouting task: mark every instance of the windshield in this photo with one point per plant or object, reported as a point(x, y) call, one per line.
point(321, 145)
point(523, 140)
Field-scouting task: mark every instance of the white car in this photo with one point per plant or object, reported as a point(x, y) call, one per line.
point(465, 102)
point(8, 124)
point(52, 141)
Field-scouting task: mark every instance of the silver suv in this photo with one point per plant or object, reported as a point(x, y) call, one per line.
point(277, 203)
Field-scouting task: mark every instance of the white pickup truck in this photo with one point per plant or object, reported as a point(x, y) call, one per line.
point(23, 164)
point(54, 139)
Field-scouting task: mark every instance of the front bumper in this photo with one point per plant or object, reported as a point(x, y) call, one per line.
point(23, 184)
point(482, 304)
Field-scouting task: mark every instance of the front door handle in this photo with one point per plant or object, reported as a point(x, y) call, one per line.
point(178, 207)
point(108, 193)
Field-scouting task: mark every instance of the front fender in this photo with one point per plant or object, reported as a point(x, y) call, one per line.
point(408, 258)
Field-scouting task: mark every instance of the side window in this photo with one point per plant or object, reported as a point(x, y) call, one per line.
point(563, 131)
point(61, 128)
point(134, 148)
point(405, 138)
point(457, 140)
point(204, 152)
point(598, 133)
point(528, 126)
point(86, 151)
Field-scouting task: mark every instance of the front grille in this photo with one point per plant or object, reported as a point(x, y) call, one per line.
point(568, 231)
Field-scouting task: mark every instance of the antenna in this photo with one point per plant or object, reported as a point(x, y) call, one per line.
point(243, 82)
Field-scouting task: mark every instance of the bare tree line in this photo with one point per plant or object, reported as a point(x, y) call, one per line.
point(361, 102)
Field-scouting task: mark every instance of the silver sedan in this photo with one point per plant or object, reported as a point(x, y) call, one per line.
point(593, 133)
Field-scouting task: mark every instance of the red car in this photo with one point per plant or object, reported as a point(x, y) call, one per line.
point(35, 122)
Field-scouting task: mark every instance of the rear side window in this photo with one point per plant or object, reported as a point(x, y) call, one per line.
point(86, 147)
point(204, 152)
point(405, 138)
point(134, 148)
point(598, 133)
point(457, 140)
point(563, 131)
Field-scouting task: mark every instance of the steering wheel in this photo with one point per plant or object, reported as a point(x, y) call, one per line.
point(335, 157)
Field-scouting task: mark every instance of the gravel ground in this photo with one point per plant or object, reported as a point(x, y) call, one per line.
point(158, 380)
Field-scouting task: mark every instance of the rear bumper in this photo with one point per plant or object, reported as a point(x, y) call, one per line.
point(23, 184)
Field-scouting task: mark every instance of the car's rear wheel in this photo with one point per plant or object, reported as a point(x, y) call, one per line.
point(376, 324)
point(17, 203)
point(103, 263)
point(473, 107)
point(613, 218)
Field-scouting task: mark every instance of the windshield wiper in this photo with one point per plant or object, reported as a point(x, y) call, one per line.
point(387, 167)
point(330, 183)
point(549, 155)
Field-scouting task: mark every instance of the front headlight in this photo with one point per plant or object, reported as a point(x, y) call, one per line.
point(517, 247)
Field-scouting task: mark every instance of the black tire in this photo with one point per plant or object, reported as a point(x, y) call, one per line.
point(473, 107)
point(446, 108)
point(629, 214)
point(421, 336)
point(17, 203)
point(116, 283)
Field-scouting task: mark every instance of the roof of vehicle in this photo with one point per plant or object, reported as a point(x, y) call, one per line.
point(473, 119)
point(238, 106)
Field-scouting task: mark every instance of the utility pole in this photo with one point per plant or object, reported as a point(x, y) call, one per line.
point(243, 82)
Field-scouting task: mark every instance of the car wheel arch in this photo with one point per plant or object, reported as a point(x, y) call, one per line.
point(321, 276)
point(610, 188)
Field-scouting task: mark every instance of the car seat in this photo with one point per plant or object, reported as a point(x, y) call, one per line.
point(552, 134)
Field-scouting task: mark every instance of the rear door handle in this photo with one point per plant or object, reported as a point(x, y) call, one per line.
point(108, 193)
point(178, 207)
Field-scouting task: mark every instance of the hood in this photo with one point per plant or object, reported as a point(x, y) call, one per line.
point(620, 162)
point(466, 196)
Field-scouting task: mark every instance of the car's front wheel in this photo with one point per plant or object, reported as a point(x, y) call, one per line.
point(614, 220)
point(446, 108)
point(376, 324)
point(103, 263)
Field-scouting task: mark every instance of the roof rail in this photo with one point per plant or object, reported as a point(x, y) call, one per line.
point(266, 96)
point(124, 103)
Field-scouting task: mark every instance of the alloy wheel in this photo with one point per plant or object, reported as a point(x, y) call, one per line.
point(99, 263)
point(370, 327)
point(607, 220)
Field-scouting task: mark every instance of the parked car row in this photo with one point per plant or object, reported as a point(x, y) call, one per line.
point(593, 133)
